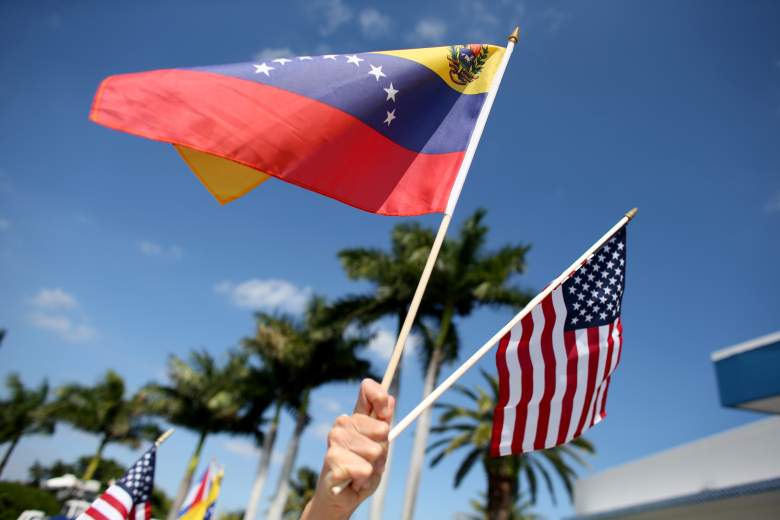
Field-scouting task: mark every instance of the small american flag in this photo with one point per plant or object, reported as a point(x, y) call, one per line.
point(555, 365)
point(128, 498)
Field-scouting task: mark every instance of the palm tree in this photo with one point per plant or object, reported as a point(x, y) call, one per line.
point(314, 350)
point(104, 411)
point(202, 396)
point(472, 427)
point(24, 412)
point(301, 491)
point(267, 385)
point(465, 277)
point(520, 510)
point(394, 275)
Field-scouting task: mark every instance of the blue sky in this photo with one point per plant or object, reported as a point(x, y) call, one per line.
point(112, 255)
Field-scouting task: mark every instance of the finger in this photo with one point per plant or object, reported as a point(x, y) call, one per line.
point(346, 465)
point(373, 398)
point(352, 440)
point(374, 429)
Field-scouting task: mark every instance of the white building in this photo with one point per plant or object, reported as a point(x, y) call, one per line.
point(729, 475)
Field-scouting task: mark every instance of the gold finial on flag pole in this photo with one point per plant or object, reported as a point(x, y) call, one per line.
point(630, 213)
point(515, 35)
point(162, 438)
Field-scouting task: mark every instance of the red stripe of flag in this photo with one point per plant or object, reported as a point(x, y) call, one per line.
point(593, 366)
point(115, 503)
point(503, 393)
point(570, 341)
point(548, 357)
point(94, 513)
point(526, 382)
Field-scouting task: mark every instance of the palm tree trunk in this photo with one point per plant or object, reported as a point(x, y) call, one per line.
point(8, 452)
point(283, 487)
point(378, 501)
point(95, 461)
point(186, 480)
point(424, 422)
point(262, 467)
point(502, 491)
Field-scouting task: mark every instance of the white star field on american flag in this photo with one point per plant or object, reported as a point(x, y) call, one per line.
point(594, 293)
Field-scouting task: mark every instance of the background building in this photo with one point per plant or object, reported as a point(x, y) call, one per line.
point(732, 474)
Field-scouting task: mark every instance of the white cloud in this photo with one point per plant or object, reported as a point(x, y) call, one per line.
point(552, 18)
point(373, 23)
point(64, 327)
point(243, 448)
point(148, 248)
point(270, 53)
point(268, 294)
point(773, 205)
point(54, 299)
point(331, 14)
point(4, 224)
point(428, 31)
point(383, 342)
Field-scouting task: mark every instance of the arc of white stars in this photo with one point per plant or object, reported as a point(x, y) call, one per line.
point(263, 69)
point(354, 59)
point(390, 117)
point(391, 92)
point(377, 72)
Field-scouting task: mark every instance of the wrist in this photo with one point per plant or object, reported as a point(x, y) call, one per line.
point(318, 509)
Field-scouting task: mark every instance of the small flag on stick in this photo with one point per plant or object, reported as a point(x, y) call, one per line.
point(555, 365)
point(199, 504)
point(129, 497)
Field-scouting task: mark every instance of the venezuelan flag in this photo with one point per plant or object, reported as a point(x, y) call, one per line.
point(385, 132)
point(199, 504)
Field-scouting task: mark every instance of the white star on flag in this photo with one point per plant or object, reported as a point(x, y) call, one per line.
point(376, 72)
point(263, 68)
point(391, 92)
point(354, 59)
point(281, 61)
point(390, 117)
point(329, 57)
point(301, 58)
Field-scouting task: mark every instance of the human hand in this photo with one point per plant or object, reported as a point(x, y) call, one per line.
point(357, 451)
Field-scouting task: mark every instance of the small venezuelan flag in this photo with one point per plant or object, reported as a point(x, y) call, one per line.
point(200, 503)
point(385, 132)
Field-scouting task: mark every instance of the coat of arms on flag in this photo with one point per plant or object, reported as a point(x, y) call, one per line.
point(555, 365)
point(129, 497)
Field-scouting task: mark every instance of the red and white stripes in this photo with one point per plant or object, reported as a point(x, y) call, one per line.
point(553, 382)
point(114, 504)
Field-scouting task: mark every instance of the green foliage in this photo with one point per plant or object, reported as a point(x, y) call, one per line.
point(302, 354)
point(520, 511)
point(470, 427)
point(103, 410)
point(202, 394)
point(161, 503)
point(24, 411)
point(232, 515)
point(107, 470)
point(302, 489)
point(16, 497)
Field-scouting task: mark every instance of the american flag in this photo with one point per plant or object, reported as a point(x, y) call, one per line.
point(128, 498)
point(555, 365)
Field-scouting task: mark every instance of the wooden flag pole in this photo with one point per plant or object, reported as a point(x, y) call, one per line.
point(484, 349)
point(162, 438)
point(460, 179)
point(457, 187)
